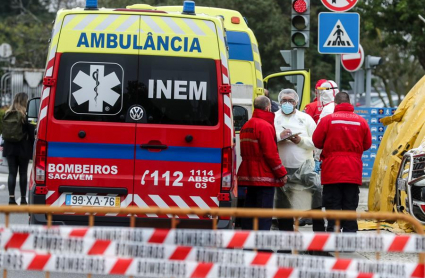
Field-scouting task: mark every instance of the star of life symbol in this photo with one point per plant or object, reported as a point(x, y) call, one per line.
point(338, 37)
point(96, 88)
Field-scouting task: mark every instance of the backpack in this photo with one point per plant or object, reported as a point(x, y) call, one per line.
point(12, 127)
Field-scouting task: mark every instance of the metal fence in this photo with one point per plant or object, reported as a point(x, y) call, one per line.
point(255, 214)
point(17, 80)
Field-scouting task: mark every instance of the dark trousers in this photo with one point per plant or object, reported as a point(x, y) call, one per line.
point(318, 224)
point(258, 197)
point(341, 196)
point(17, 163)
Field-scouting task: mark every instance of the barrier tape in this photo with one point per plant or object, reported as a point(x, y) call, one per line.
point(82, 264)
point(279, 240)
point(90, 246)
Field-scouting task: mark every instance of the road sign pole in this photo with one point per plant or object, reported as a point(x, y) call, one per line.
point(300, 65)
point(338, 70)
point(355, 89)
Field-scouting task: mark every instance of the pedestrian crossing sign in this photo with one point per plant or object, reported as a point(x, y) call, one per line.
point(339, 33)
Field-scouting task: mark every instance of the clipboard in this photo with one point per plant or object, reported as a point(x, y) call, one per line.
point(290, 136)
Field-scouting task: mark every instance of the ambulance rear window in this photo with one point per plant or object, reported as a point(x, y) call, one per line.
point(105, 87)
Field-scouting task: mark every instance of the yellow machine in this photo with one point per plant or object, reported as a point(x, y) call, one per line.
point(406, 130)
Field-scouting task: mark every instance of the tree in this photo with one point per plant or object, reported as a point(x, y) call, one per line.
point(25, 25)
point(398, 74)
point(395, 22)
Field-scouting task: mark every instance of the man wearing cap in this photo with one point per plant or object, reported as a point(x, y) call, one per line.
point(294, 130)
point(343, 136)
point(314, 109)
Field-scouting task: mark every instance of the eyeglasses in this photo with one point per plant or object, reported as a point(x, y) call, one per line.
point(291, 101)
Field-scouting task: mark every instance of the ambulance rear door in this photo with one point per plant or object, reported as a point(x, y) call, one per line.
point(90, 136)
point(179, 139)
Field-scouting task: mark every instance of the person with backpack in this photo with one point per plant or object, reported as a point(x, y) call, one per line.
point(17, 146)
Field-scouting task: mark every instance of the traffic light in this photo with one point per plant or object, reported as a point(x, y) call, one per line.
point(290, 57)
point(373, 61)
point(300, 23)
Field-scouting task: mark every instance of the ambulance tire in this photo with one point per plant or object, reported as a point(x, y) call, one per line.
point(37, 219)
point(225, 224)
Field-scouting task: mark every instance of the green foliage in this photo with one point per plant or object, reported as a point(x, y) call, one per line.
point(26, 26)
point(389, 28)
point(395, 23)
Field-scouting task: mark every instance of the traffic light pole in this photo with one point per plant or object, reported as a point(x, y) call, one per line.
point(371, 62)
point(368, 85)
point(300, 65)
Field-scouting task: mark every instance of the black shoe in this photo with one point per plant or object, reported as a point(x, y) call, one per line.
point(12, 201)
point(24, 201)
point(305, 221)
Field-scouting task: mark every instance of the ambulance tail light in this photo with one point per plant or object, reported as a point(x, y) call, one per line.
point(226, 169)
point(40, 161)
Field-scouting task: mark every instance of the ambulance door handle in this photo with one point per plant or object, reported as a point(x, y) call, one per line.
point(155, 147)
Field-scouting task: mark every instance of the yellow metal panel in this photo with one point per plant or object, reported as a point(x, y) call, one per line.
point(241, 72)
point(111, 32)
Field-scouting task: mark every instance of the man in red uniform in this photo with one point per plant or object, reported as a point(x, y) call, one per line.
point(261, 169)
point(313, 108)
point(343, 136)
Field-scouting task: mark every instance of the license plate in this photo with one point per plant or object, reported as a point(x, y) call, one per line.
point(92, 201)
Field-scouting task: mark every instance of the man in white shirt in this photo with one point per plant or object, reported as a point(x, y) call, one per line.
point(294, 131)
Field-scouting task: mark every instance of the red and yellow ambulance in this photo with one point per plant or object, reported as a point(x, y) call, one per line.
point(135, 111)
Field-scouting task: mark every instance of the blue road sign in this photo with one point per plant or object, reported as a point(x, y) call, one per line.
point(339, 33)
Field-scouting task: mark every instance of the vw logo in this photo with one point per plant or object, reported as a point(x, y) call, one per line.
point(136, 113)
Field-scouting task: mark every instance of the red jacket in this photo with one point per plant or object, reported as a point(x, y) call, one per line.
point(313, 110)
point(261, 164)
point(343, 136)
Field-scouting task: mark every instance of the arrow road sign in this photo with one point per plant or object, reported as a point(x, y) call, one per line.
point(339, 5)
point(339, 33)
point(352, 62)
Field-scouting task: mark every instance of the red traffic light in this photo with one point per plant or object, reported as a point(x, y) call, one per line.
point(300, 6)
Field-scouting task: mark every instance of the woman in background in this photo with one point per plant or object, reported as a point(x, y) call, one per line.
point(17, 153)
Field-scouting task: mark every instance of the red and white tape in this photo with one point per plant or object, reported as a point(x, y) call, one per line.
point(90, 246)
point(83, 264)
point(235, 239)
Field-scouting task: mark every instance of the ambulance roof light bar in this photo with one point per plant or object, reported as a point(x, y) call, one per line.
point(91, 5)
point(189, 7)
